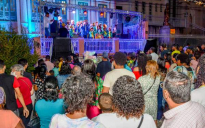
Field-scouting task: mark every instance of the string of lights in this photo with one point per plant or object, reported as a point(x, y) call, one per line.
point(197, 2)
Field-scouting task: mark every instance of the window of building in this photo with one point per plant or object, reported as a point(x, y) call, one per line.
point(160, 7)
point(136, 6)
point(81, 15)
point(143, 7)
point(35, 15)
point(150, 11)
point(102, 19)
point(155, 7)
point(8, 10)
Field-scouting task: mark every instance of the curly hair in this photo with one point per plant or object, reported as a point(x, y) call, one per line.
point(77, 92)
point(128, 98)
point(142, 61)
point(201, 72)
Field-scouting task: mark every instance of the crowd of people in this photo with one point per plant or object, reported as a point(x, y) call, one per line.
point(80, 29)
point(124, 90)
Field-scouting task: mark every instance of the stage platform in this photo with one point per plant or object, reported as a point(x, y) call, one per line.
point(81, 45)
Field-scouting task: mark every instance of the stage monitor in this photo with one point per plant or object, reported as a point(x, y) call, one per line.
point(62, 47)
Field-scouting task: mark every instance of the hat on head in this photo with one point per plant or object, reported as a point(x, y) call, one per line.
point(105, 55)
point(1, 95)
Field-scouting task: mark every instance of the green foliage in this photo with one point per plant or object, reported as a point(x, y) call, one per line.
point(14, 47)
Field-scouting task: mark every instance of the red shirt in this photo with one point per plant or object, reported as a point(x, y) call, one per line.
point(138, 74)
point(16, 83)
point(25, 88)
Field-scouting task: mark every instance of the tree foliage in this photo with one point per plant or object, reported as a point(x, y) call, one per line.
point(14, 47)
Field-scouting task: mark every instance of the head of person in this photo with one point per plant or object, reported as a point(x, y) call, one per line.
point(142, 61)
point(197, 55)
point(76, 59)
point(120, 59)
point(51, 72)
point(105, 56)
point(23, 62)
point(128, 98)
point(174, 47)
point(132, 56)
point(42, 72)
point(63, 25)
point(89, 69)
point(48, 58)
point(69, 59)
point(162, 47)
point(105, 102)
point(17, 70)
point(65, 69)
point(161, 64)
point(189, 50)
point(168, 57)
point(40, 62)
point(56, 64)
point(180, 48)
point(2, 67)
point(176, 88)
point(76, 70)
point(152, 49)
point(174, 57)
point(77, 92)
point(51, 88)
point(152, 68)
point(47, 14)
point(183, 59)
point(201, 72)
point(2, 98)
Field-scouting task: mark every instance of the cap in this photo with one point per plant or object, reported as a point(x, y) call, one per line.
point(1, 95)
point(105, 55)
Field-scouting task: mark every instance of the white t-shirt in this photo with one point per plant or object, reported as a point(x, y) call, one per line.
point(198, 95)
point(154, 56)
point(111, 120)
point(113, 75)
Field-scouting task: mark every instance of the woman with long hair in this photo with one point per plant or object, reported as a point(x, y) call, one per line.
point(89, 69)
point(140, 69)
point(77, 93)
point(150, 84)
point(50, 104)
point(200, 71)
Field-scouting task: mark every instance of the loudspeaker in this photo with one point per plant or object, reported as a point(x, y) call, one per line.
point(149, 44)
point(61, 48)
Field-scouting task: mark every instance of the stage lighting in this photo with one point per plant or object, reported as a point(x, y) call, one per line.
point(73, 11)
point(85, 12)
point(101, 14)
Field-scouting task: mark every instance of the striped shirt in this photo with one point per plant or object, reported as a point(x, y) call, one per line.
point(187, 115)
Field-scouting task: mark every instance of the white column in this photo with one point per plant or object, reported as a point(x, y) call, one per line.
point(18, 17)
point(24, 15)
point(29, 16)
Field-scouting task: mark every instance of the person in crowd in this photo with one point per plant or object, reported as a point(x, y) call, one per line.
point(198, 48)
point(47, 21)
point(104, 66)
point(128, 108)
point(131, 60)
point(88, 69)
point(39, 86)
point(175, 49)
point(40, 63)
point(140, 70)
point(181, 49)
point(150, 85)
point(152, 51)
point(163, 49)
point(8, 119)
point(76, 70)
point(76, 61)
point(183, 113)
point(26, 89)
point(63, 32)
point(183, 65)
point(69, 62)
point(203, 48)
point(106, 106)
point(64, 73)
point(11, 87)
point(149, 57)
point(198, 94)
point(164, 63)
point(50, 104)
point(61, 60)
point(77, 92)
point(195, 60)
point(56, 68)
point(190, 52)
point(48, 63)
point(24, 63)
point(174, 62)
point(187, 45)
point(168, 59)
point(51, 73)
point(110, 78)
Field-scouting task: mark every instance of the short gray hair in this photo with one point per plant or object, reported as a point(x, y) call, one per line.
point(18, 68)
point(76, 70)
point(179, 86)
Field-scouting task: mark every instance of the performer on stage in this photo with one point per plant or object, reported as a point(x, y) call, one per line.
point(72, 30)
point(47, 22)
point(77, 29)
point(63, 32)
point(91, 33)
point(85, 29)
point(68, 25)
point(110, 33)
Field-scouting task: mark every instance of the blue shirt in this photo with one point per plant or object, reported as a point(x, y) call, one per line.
point(128, 68)
point(46, 110)
point(61, 79)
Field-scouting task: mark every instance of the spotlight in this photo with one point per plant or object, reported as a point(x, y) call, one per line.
point(101, 14)
point(85, 12)
point(73, 11)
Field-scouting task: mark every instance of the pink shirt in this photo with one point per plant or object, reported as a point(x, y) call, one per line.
point(187, 115)
point(8, 119)
point(194, 64)
point(49, 65)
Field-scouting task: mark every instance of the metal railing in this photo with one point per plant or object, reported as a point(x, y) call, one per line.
point(131, 45)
